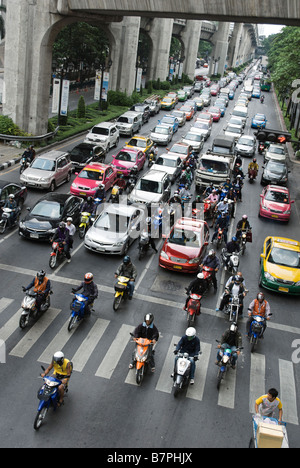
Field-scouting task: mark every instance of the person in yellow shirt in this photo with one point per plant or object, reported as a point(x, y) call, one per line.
point(266, 405)
point(253, 168)
point(62, 371)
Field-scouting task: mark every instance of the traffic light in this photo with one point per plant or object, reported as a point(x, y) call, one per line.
point(275, 136)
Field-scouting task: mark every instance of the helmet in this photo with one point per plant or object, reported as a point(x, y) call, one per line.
point(200, 275)
point(101, 186)
point(59, 357)
point(149, 318)
point(69, 219)
point(260, 296)
point(223, 215)
point(61, 225)
point(41, 274)
point(211, 253)
point(225, 199)
point(234, 239)
point(190, 333)
point(237, 279)
point(88, 278)
point(254, 159)
point(11, 195)
point(126, 259)
point(244, 216)
point(233, 327)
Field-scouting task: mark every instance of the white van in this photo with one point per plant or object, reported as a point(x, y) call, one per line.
point(241, 112)
point(130, 123)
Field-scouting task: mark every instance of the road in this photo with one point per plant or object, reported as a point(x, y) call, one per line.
point(104, 408)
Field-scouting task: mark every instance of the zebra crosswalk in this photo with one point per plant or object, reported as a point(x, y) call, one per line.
point(120, 349)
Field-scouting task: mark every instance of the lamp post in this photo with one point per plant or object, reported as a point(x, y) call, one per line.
point(59, 75)
point(102, 66)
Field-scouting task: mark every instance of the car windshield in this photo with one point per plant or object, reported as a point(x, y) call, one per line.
point(232, 129)
point(221, 149)
point(100, 131)
point(163, 130)
point(204, 116)
point(167, 99)
point(193, 137)
point(125, 156)
point(139, 108)
point(259, 117)
point(178, 114)
point(284, 257)
point(276, 167)
point(167, 120)
point(123, 119)
point(186, 108)
point(245, 141)
point(149, 186)
point(275, 149)
point(166, 162)
point(213, 166)
point(239, 113)
point(185, 237)
point(43, 164)
point(180, 149)
point(202, 125)
point(278, 197)
point(48, 209)
point(137, 142)
point(112, 222)
point(91, 175)
point(236, 121)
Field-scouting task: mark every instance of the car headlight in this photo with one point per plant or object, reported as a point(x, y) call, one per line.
point(194, 260)
point(298, 283)
point(269, 277)
point(74, 185)
point(22, 225)
point(164, 255)
point(119, 244)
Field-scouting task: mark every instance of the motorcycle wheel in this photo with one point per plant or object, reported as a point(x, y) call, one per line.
point(176, 390)
point(219, 379)
point(39, 418)
point(72, 322)
point(81, 232)
point(23, 321)
point(139, 376)
point(52, 261)
point(253, 343)
point(2, 226)
point(117, 302)
point(191, 319)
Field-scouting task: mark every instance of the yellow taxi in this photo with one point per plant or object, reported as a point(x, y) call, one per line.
point(168, 103)
point(141, 143)
point(280, 265)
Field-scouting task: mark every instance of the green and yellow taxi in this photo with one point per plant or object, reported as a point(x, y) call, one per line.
point(168, 103)
point(280, 265)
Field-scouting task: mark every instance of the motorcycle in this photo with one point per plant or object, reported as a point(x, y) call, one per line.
point(143, 244)
point(87, 219)
point(56, 254)
point(220, 237)
point(121, 291)
point(225, 362)
point(6, 212)
point(77, 306)
point(208, 211)
point(133, 177)
point(252, 174)
point(115, 194)
point(230, 261)
point(245, 237)
point(256, 330)
point(152, 159)
point(182, 370)
point(193, 308)
point(233, 307)
point(261, 148)
point(29, 307)
point(24, 163)
point(207, 272)
point(141, 357)
point(48, 395)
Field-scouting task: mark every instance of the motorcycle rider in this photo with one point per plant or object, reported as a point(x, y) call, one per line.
point(212, 261)
point(232, 339)
point(262, 98)
point(189, 343)
point(148, 330)
point(29, 154)
point(221, 206)
point(100, 193)
point(221, 223)
point(242, 225)
point(253, 166)
point(232, 246)
point(41, 285)
point(62, 371)
point(234, 288)
point(62, 234)
point(89, 289)
point(127, 269)
point(197, 286)
point(88, 206)
point(187, 176)
point(261, 307)
point(12, 205)
point(237, 186)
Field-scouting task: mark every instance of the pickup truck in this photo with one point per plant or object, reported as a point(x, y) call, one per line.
point(217, 164)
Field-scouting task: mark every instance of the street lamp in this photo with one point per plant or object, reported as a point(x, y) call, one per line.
point(102, 66)
point(60, 74)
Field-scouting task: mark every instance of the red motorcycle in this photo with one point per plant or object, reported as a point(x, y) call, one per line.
point(220, 237)
point(56, 254)
point(193, 308)
point(207, 272)
point(252, 174)
point(261, 148)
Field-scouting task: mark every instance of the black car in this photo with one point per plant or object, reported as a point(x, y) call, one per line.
point(84, 153)
point(43, 219)
point(274, 172)
point(144, 109)
point(7, 188)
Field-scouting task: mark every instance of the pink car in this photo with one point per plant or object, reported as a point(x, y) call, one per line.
point(91, 176)
point(275, 203)
point(216, 113)
point(127, 158)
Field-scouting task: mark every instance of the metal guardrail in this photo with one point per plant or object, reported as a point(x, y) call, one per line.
point(6, 138)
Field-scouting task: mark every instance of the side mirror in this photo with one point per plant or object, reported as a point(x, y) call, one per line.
point(262, 255)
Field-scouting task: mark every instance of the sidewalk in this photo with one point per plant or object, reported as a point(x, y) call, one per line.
point(9, 155)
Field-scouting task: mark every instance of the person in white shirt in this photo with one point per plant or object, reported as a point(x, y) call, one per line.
point(72, 229)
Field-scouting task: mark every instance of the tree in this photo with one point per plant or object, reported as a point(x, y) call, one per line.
point(81, 110)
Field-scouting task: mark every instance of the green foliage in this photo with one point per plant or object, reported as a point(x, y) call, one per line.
point(81, 108)
point(8, 127)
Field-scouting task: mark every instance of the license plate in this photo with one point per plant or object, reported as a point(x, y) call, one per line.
point(100, 249)
point(82, 193)
point(34, 236)
point(274, 216)
point(283, 289)
point(178, 267)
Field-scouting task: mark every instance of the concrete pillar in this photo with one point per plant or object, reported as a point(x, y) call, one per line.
point(190, 38)
point(219, 52)
point(160, 35)
point(235, 45)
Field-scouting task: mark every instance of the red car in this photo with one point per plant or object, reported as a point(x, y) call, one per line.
point(275, 203)
point(214, 90)
point(216, 113)
point(189, 112)
point(185, 247)
point(92, 175)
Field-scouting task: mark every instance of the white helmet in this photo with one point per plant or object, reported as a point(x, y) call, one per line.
point(190, 332)
point(200, 275)
point(59, 357)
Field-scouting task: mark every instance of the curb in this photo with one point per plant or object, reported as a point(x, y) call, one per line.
point(10, 163)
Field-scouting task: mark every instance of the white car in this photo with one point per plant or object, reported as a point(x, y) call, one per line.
point(195, 139)
point(105, 134)
point(161, 134)
point(275, 152)
point(172, 165)
point(202, 127)
point(233, 130)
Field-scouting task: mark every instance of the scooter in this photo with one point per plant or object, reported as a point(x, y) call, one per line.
point(5, 217)
point(261, 148)
point(193, 308)
point(77, 306)
point(24, 163)
point(48, 395)
point(207, 272)
point(220, 237)
point(245, 237)
point(182, 370)
point(152, 159)
point(142, 357)
point(29, 308)
point(256, 330)
point(56, 254)
point(224, 363)
point(133, 177)
point(85, 223)
point(143, 244)
point(252, 174)
point(230, 261)
point(121, 291)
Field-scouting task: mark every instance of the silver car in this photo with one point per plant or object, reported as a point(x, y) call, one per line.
point(161, 134)
point(114, 230)
point(48, 171)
